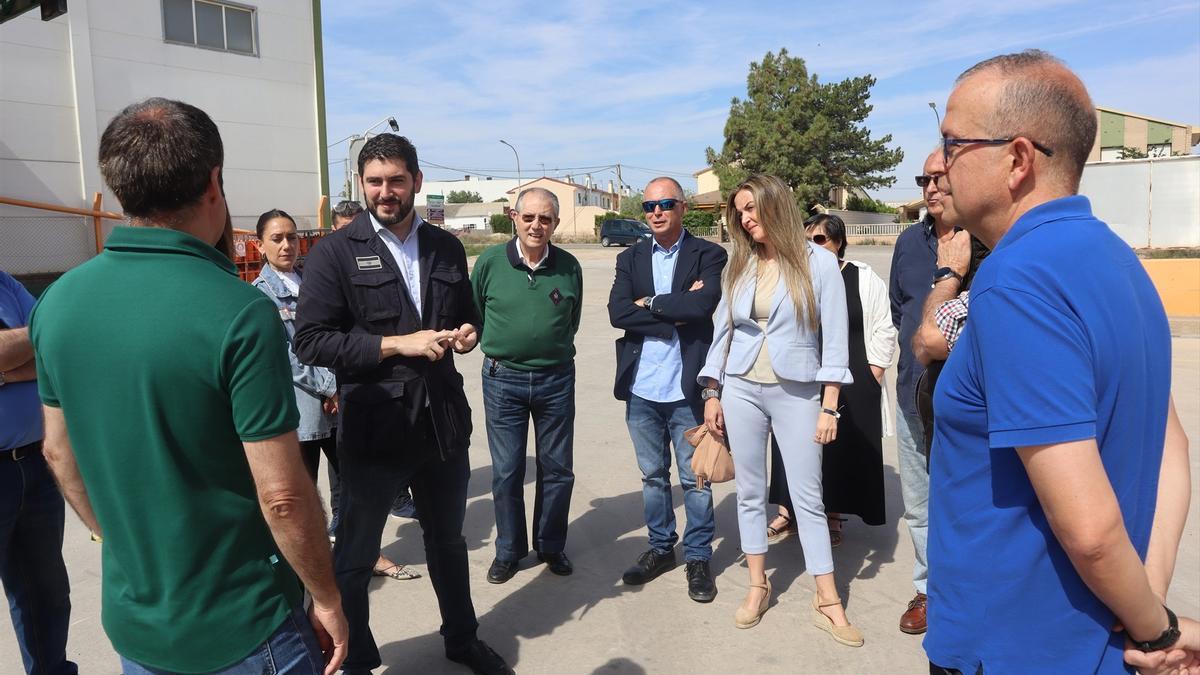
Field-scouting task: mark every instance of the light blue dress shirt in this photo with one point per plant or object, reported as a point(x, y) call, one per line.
point(660, 367)
point(407, 255)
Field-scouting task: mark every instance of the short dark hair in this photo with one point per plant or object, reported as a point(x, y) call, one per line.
point(835, 229)
point(387, 147)
point(347, 209)
point(1045, 109)
point(157, 156)
point(268, 217)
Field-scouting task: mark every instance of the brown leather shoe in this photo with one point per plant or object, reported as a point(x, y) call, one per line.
point(912, 621)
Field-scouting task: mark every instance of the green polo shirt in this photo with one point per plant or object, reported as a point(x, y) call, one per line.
point(529, 317)
point(163, 363)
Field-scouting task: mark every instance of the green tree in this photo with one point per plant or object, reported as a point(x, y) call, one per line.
point(502, 199)
point(500, 223)
point(631, 206)
point(809, 134)
point(1131, 153)
point(463, 197)
point(856, 203)
point(699, 220)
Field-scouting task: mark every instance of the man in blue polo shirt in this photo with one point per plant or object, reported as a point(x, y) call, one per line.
point(1053, 407)
point(32, 513)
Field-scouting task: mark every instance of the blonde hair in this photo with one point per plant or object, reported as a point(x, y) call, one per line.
point(780, 219)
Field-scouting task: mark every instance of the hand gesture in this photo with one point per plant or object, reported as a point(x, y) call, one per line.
point(467, 338)
point(330, 406)
point(329, 624)
point(956, 253)
point(714, 417)
point(827, 426)
point(696, 285)
point(1181, 659)
point(430, 344)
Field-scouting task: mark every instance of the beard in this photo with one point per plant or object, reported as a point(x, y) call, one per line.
point(403, 209)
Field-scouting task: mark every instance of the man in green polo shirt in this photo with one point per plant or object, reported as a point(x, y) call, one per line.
point(530, 294)
point(170, 424)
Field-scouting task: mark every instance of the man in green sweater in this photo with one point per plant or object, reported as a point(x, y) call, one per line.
point(530, 294)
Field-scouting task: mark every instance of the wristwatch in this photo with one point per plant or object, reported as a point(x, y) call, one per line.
point(647, 301)
point(709, 392)
point(944, 273)
point(1168, 638)
point(835, 414)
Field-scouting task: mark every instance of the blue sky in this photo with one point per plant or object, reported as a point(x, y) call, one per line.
point(649, 84)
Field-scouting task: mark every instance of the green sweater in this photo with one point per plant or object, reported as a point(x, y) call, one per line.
point(529, 318)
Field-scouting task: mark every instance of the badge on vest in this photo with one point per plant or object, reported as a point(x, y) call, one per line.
point(371, 262)
point(556, 296)
point(287, 314)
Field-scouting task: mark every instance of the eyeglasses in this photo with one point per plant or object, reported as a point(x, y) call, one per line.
point(818, 239)
point(948, 142)
point(925, 179)
point(543, 219)
point(664, 204)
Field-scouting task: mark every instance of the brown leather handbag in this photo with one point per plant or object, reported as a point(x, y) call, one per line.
point(711, 460)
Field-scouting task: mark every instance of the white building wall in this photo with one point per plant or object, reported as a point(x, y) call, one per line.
point(1147, 202)
point(489, 190)
point(106, 54)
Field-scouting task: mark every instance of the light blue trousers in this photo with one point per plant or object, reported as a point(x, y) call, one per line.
point(789, 410)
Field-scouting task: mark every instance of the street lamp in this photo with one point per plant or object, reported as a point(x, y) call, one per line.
point(936, 116)
point(510, 147)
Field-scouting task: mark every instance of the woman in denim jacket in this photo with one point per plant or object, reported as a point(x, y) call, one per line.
point(782, 318)
point(316, 388)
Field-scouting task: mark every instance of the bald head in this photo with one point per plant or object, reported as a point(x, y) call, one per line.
point(1035, 95)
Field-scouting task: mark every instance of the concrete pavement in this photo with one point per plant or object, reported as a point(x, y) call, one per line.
point(590, 622)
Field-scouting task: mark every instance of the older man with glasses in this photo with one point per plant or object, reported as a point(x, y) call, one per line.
point(1059, 486)
point(914, 271)
point(530, 297)
point(663, 297)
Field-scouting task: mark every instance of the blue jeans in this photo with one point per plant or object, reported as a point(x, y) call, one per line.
point(653, 427)
point(35, 580)
point(291, 649)
point(914, 488)
point(510, 398)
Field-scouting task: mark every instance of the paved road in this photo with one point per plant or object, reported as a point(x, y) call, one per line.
point(590, 622)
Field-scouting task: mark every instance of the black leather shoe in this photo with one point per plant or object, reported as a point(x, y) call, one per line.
point(648, 566)
point(558, 563)
point(502, 570)
point(481, 659)
point(701, 586)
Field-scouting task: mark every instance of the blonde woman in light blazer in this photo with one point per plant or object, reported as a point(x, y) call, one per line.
point(783, 316)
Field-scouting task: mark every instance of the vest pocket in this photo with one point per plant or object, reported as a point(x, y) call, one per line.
point(377, 295)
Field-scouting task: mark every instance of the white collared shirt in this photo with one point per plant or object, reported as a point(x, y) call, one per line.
point(535, 265)
point(407, 255)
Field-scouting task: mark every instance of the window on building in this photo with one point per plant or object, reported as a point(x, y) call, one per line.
point(213, 25)
point(1158, 150)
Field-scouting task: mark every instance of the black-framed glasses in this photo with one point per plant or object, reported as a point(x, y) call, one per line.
point(664, 204)
point(948, 142)
point(924, 179)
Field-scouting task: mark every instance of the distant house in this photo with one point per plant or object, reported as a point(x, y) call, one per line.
point(473, 217)
point(578, 204)
point(489, 189)
point(1155, 137)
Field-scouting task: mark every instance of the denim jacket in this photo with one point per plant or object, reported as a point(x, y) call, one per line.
point(312, 383)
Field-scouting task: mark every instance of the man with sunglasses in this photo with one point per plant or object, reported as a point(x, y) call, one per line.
point(1056, 449)
point(663, 297)
point(914, 271)
point(529, 294)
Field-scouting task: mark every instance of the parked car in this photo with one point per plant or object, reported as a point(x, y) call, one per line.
point(623, 232)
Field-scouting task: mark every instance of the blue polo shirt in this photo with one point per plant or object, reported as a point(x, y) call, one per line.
point(1067, 340)
point(20, 409)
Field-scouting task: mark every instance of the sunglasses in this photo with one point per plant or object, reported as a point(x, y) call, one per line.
point(924, 180)
point(543, 219)
point(818, 239)
point(664, 204)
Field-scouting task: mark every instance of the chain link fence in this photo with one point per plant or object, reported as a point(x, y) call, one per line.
point(46, 244)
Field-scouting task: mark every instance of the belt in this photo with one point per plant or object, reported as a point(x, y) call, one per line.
point(18, 454)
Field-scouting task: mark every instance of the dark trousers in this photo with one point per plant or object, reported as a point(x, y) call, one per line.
point(310, 453)
point(510, 398)
point(32, 515)
point(439, 489)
